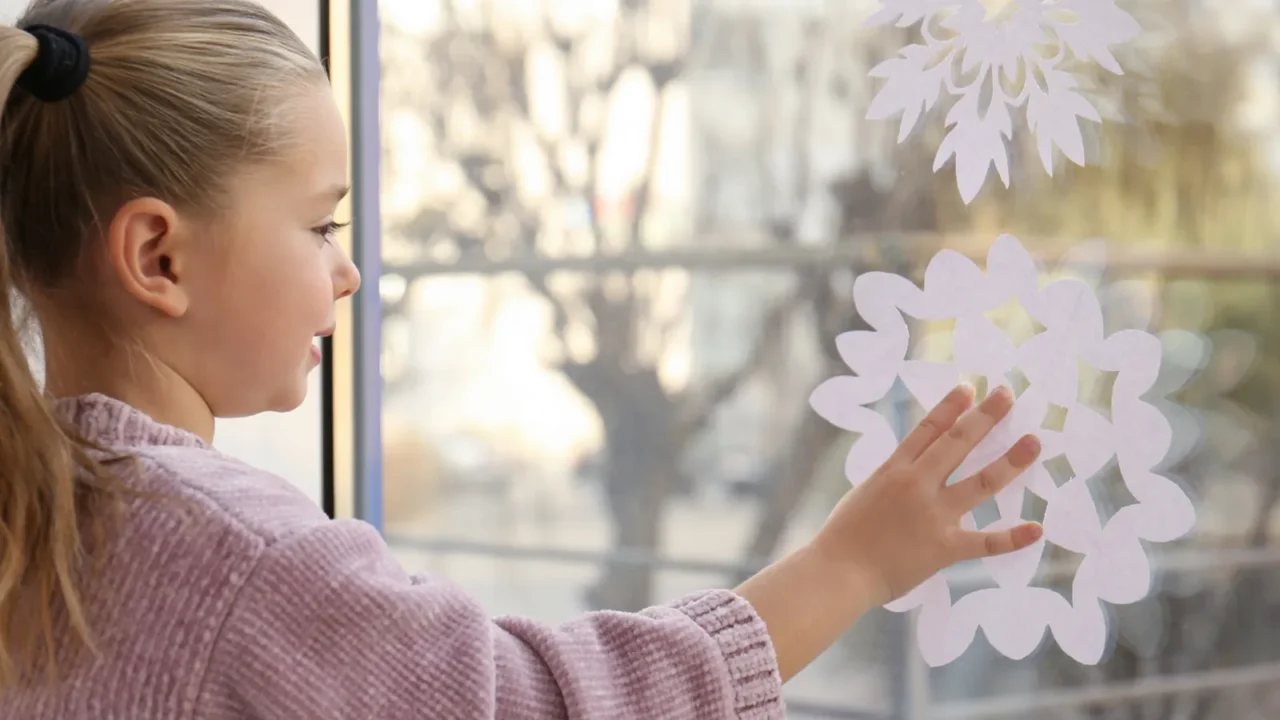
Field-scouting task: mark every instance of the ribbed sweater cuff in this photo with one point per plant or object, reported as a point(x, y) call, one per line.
point(748, 652)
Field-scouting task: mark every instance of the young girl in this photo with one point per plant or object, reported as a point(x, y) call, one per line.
point(169, 171)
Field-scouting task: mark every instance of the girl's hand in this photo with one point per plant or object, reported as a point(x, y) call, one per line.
point(902, 525)
point(892, 532)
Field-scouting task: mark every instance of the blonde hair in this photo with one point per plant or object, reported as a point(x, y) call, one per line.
point(180, 95)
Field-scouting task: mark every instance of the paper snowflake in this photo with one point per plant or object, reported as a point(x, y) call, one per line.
point(1066, 334)
point(992, 65)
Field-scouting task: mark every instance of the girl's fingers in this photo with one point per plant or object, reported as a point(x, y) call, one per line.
point(945, 455)
point(973, 545)
point(977, 489)
point(939, 420)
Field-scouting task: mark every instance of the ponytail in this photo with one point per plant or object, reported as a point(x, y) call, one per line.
point(46, 474)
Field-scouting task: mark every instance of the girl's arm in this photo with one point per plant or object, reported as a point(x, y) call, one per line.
point(329, 626)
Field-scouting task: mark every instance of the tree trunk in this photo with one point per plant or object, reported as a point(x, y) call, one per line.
point(640, 464)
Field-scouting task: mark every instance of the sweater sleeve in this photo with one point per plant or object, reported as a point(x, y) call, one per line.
point(327, 625)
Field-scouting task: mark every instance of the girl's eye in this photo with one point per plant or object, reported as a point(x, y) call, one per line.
point(327, 230)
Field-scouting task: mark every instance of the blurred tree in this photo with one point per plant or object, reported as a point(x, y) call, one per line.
point(532, 114)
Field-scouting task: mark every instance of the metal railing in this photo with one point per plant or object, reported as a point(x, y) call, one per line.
point(740, 252)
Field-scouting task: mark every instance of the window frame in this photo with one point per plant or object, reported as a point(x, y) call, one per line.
point(351, 482)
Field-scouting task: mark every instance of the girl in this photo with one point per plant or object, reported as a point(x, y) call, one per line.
point(170, 171)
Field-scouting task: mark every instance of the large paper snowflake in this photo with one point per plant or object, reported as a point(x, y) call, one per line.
point(1066, 336)
point(992, 65)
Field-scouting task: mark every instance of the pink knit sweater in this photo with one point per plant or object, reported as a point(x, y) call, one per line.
point(242, 600)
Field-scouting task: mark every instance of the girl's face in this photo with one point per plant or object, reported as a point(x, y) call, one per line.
point(261, 289)
point(189, 318)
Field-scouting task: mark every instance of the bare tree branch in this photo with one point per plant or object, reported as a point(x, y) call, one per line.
point(696, 410)
point(560, 313)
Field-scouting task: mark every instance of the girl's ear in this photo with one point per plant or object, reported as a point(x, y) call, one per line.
point(149, 253)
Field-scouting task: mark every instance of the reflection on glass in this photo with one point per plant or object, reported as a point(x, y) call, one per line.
point(621, 238)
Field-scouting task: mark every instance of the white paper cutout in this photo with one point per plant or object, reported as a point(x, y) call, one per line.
point(1010, 61)
point(1114, 568)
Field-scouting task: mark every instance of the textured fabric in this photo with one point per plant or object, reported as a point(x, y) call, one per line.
point(233, 596)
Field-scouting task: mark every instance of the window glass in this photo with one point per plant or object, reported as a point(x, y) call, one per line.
point(620, 239)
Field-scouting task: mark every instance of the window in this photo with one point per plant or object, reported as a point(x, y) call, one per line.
point(618, 240)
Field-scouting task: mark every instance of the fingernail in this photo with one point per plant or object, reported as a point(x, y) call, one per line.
point(1032, 533)
point(1026, 450)
point(1003, 392)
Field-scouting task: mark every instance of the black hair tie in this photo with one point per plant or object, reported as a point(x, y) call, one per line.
point(60, 67)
